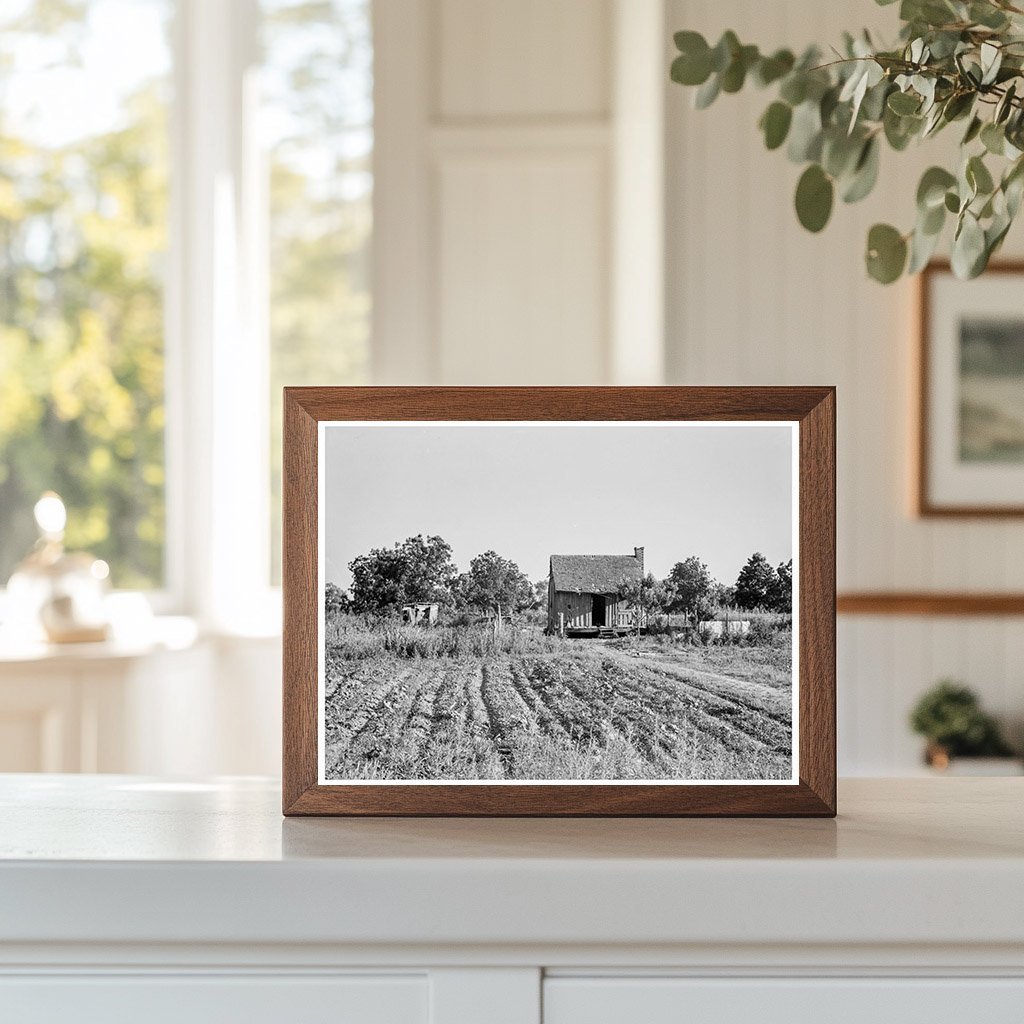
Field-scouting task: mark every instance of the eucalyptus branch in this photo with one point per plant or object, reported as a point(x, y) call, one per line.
point(954, 60)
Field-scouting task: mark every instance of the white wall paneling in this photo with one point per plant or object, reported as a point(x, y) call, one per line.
point(751, 298)
point(513, 169)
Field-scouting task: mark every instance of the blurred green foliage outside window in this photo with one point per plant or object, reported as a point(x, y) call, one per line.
point(83, 236)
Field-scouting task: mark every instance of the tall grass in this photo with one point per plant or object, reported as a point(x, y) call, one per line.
point(354, 639)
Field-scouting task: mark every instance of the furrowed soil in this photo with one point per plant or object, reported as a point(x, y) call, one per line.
point(535, 707)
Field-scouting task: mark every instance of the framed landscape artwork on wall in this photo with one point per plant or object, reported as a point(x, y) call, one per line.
point(559, 601)
point(970, 452)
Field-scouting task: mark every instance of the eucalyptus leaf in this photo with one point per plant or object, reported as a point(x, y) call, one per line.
point(968, 247)
point(904, 103)
point(724, 51)
point(707, 93)
point(991, 60)
point(771, 69)
point(775, 124)
point(932, 221)
point(955, 60)
point(973, 130)
point(931, 190)
point(987, 15)
point(1005, 105)
point(735, 74)
point(840, 152)
point(886, 253)
point(922, 248)
point(865, 173)
point(993, 138)
point(814, 195)
point(978, 176)
point(805, 133)
point(794, 88)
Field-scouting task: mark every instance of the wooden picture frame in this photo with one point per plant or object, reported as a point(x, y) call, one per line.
point(811, 410)
point(933, 472)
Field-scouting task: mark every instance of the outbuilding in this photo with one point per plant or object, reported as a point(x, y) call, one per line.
point(583, 593)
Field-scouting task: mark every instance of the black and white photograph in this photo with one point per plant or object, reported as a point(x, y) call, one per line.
point(526, 602)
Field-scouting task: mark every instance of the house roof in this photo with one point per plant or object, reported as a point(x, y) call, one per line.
point(594, 574)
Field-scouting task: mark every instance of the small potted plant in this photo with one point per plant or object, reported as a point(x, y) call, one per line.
point(950, 718)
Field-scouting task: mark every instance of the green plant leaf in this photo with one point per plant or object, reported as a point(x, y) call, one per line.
point(931, 191)
point(904, 103)
point(865, 173)
point(771, 69)
point(886, 254)
point(991, 61)
point(968, 255)
point(987, 15)
point(794, 89)
point(735, 74)
point(707, 93)
point(958, 106)
point(978, 176)
point(775, 124)
point(805, 133)
point(900, 130)
point(922, 247)
point(693, 65)
point(814, 195)
point(1005, 105)
point(973, 130)
point(993, 138)
point(840, 152)
point(725, 49)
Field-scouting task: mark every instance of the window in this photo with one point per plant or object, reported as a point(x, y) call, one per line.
point(185, 222)
point(83, 235)
point(317, 88)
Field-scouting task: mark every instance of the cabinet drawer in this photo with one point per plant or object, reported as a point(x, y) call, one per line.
point(202, 999)
point(627, 1000)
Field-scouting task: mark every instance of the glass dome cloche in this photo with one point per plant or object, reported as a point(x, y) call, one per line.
point(57, 595)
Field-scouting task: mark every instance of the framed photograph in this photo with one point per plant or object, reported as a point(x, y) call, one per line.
point(970, 449)
point(559, 601)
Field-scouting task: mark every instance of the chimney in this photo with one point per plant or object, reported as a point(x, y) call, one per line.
point(638, 554)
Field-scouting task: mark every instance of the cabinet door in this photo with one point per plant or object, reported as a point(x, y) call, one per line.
point(782, 1001)
point(202, 999)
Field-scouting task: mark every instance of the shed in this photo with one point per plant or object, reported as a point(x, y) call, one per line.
point(583, 593)
point(419, 614)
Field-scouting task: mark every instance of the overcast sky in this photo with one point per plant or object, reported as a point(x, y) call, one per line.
point(532, 490)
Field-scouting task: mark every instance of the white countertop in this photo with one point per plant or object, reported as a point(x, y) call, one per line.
point(123, 859)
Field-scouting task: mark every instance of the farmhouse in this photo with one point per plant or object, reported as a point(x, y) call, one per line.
point(582, 593)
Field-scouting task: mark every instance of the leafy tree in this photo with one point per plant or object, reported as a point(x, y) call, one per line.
point(318, 94)
point(83, 224)
point(780, 592)
point(417, 570)
point(956, 61)
point(540, 594)
point(494, 583)
point(754, 582)
point(645, 596)
point(336, 601)
point(690, 588)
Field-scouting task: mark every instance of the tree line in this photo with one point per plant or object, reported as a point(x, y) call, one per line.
point(421, 570)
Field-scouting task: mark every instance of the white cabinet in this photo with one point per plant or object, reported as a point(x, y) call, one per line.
point(127, 899)
point(216, 1000)
point(653, 1000)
